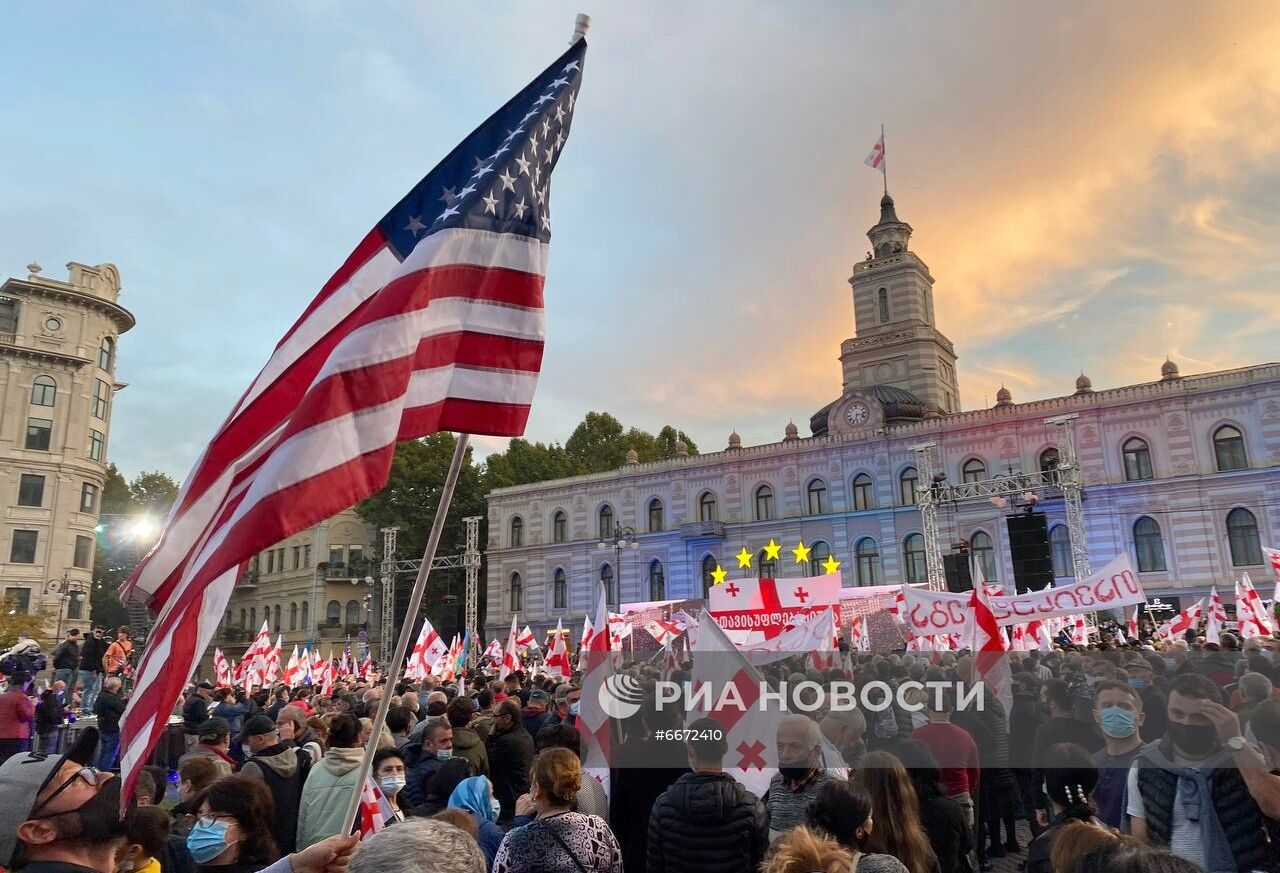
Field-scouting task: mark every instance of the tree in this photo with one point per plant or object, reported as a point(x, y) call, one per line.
point(597, 444)
point(153, 493)
point(120, 545)
point(34, 622)
point(524, 462)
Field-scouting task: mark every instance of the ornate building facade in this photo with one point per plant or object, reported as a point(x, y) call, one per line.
point(58, 343)
point(1182, 473)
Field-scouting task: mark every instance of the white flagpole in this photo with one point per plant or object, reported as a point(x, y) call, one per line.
point(884, 159)
point(406, 627)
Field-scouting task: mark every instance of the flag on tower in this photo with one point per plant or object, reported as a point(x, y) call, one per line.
point(433, 323)
point(875, 160)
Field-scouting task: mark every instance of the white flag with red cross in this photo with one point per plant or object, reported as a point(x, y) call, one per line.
point(558, 656)
point(526, 640)
point(661, 630)
point(749, 610)
point(511, 657)
point(1250, 611)
point(221, 670)
point(587, 632)
point(875, 158)
point(1215, 618)
point(1182, 622)
point(427, 652)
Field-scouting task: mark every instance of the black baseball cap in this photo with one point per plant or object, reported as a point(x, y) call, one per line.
point(257, 725)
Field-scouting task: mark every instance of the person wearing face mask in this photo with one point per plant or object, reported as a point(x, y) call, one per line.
point(60, 815)
point(466, 742)
point(1117, 710)
point(282, 769)
point(388, 772)
point(1142, 678)
point(510, 750)
point(232, 832)
point(1187, 791)
point(475, 797)
point(800, 774)
point(436, 748)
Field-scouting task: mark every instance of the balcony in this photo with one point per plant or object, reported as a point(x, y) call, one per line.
point(702, 530)
point(337, 630)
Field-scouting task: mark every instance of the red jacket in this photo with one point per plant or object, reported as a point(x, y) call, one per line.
point(17, 712)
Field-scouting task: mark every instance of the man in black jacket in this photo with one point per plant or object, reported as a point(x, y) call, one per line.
point(66, 662)
point(108, 708)
point(510, 755)
point(706, 821)
point(195, 712)
point(91, 654)
point(283, 769)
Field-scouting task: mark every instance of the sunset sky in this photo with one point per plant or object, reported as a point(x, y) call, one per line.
point(1093, 185)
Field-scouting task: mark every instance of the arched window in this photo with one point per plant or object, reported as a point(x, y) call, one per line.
point(974, 470)
point(984, 555)
point(253, 618)
point(767, 566)
point(864, 495)
point(706, 506)
point(1060, 552)
point(1149, 545)
point(1228, 449)
point(655, 515)
point(352, 616)
point(306, 615)
point(610, 591)
point(657, 581)
point(559, 590)
point(293, 616)
point(819, 553)
point(332, 612)
point(1242, 536)
point(907, 483)
point(1137, 460)
point(559, 526)
point(275, 617)
point(817, 494)
point(606, 521)
point(244, 621)
point(105, 353)
point(913, 558)
point(516, 602)
point(517, 532)
point(44, 391)
point(764, 503)
point(709, 564)
point(867, 554)
point(882, 298)
point(1049, 460)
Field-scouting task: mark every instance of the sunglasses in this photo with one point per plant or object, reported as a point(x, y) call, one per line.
point(90, 775)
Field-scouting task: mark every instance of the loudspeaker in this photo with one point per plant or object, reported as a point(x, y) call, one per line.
point(1029, 548)
point(956, 568)
point(450, 616)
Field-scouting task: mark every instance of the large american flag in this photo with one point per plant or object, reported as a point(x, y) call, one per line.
point(433, 323)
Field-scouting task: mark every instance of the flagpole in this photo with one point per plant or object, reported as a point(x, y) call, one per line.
point(406, 628)
point(884, 159)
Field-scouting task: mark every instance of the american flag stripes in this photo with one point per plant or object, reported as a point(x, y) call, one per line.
point(434, 322)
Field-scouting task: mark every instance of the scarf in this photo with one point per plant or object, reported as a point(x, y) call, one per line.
point(1195, 795)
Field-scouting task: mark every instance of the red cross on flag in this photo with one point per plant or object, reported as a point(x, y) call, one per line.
point(526, 640)
point(427, 651)
point(661, 630)
point(221, 670)
point(558, 656)
point(1184, 621)
point(1215, 618)
point(750, 610)
point(1252, 615)
point(511, 657)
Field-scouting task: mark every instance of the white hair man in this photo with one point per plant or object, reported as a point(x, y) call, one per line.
point(800, 774)
point(419, 846)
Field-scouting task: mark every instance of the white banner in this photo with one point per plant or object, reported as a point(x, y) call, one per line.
point(941, 612)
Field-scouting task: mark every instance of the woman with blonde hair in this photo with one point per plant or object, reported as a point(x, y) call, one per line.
point(558, 840)
point(894, 803)
point(801, 850)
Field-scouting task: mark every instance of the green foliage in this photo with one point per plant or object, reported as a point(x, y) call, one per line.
point(150, 494)
point(153, 493)
point(36, 623)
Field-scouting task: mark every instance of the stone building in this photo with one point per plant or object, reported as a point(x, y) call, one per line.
point(1182, 472)
point(58, 344)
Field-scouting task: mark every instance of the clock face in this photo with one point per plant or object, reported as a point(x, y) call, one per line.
point(857, 413)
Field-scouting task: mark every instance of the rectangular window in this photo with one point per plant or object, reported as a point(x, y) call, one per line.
point(297, 557)
point(18, 599)
point(101, 399)
point(335, 555)
point(883, 299)
point(23, 549)
point(9, 316)
point(31, 490)
point(84, 553)
point(271, 561)
point(280, 560)
point(75, 606)
point(39, 434)
point(306, 555)
point(355, 554)
point(88, 497)
point(97, 443)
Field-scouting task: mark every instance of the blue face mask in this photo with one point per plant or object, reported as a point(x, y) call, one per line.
point(1117, 723)
point(1170, 664)
point(206, 842)
point(1137, 683)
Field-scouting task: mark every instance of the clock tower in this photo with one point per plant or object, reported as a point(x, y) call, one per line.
point(896, 343)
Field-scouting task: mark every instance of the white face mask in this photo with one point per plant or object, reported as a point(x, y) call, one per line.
point(495, 806)
point(444, 754)
point(919, 719)
point(391, 785)
point(573, 708)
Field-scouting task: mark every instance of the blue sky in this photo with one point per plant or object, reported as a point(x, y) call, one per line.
point(1093, 186)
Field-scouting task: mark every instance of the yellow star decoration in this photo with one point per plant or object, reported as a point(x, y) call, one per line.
point(718, 574)
point(744, 558)
point(831, 565)
point(772, 550)
point(801, 552)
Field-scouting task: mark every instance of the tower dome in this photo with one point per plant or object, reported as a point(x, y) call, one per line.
point(1004, 397)
point(633, 457)
point(1169, 371)
point(791, 433)
point(735, 441)
point(682, 449)
point(1084, 385)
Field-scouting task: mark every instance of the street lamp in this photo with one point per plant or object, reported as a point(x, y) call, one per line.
point(67, 590)
point(621, 538)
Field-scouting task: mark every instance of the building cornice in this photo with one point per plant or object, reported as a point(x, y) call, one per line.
point(67, 293)
point(8, 349)
point(1148, 391)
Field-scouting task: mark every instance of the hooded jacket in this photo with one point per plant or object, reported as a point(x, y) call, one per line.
point(284, 770)
point(467, 744)
point(325, 795)
point(706, 823)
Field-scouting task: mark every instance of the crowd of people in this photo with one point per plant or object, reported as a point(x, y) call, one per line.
point(1111, 758)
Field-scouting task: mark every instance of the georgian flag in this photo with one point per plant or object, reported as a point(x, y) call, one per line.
point(1182, 622)
point(558, 656)
point(526, 640)
point(1252, 615)
point(511, 657)
point(1215, 618)
point(427, 652)
point(875, 159)
point(293, 670)
point(661, 630)
point(587, 634)
point(221, 670)
point(494, 652)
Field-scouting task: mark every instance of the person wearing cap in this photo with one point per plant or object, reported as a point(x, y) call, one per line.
point(1141, 676)
point(283, 769)
point(17, 713)
point(535, 715)
point(195, 712)
point(60, 815)
point(109, 707)
point(90, 673)
point(215, 744)
point(66, 660)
